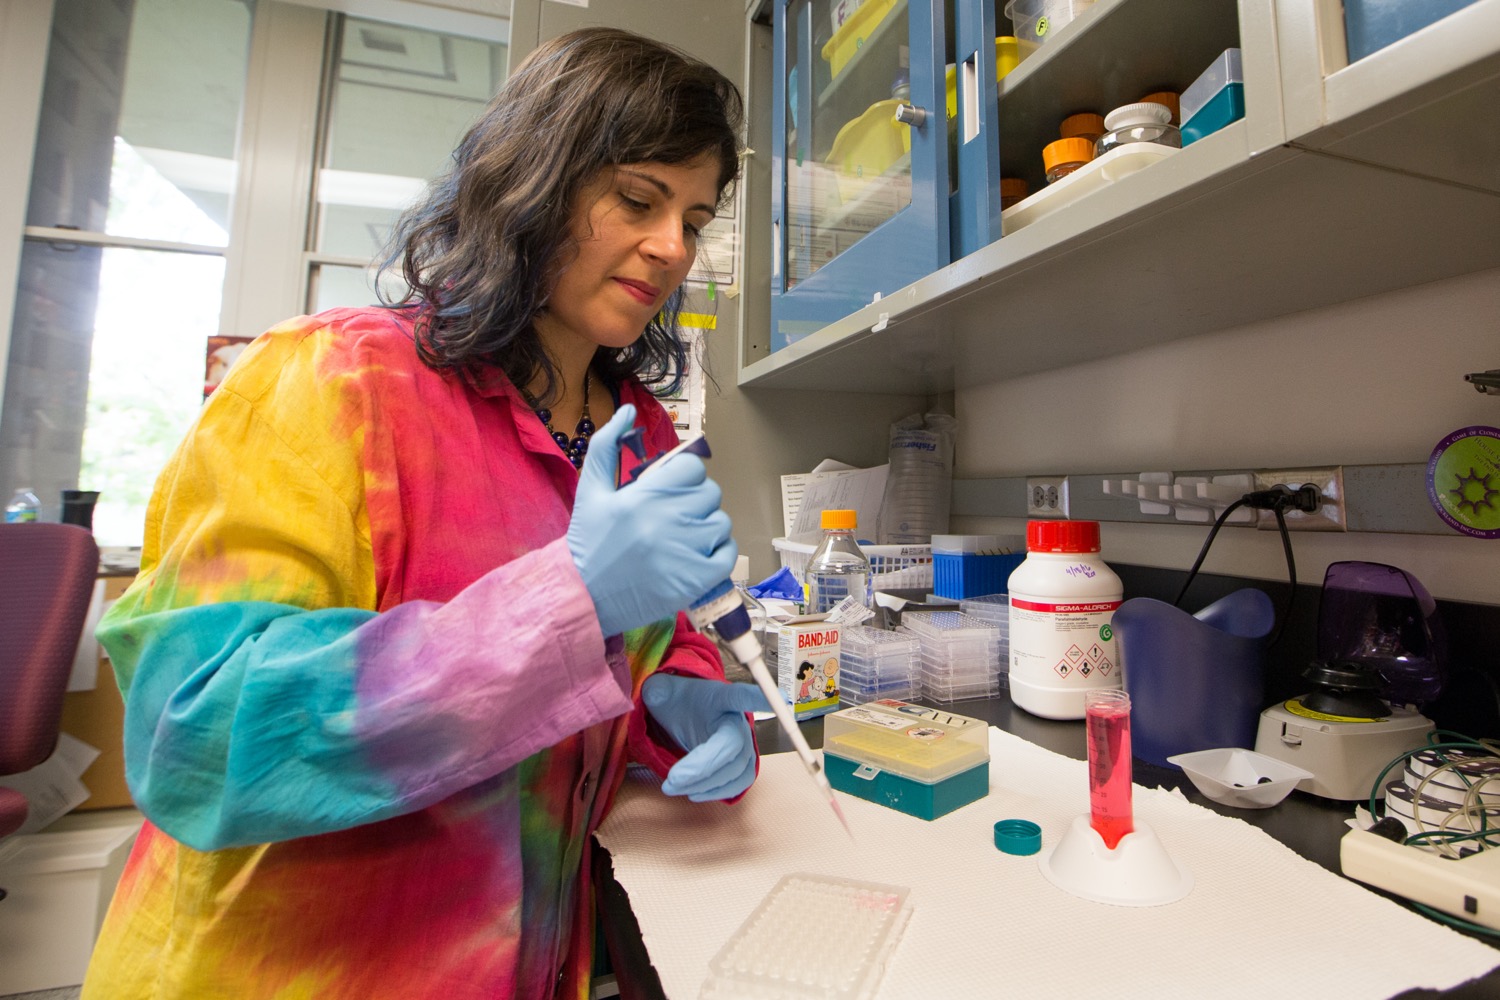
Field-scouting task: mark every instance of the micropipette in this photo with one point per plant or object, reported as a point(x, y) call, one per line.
point(723, 608)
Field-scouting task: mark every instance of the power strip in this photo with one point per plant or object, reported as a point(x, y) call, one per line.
point(1468, 887)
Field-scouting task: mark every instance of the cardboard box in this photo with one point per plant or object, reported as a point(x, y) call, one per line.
point(98, 718)
point(807, 666)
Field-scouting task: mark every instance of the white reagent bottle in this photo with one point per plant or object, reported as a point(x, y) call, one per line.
point(1062, 601)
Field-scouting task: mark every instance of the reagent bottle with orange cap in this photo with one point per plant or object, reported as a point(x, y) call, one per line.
point(837, 567)
point(1062, 600)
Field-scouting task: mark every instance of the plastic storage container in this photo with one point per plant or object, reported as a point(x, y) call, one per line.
point(1007, 58)
point(1215, 99)
point(852, 34)
point(960, 655)
point(59, 884)
point(892, 567)
point(1145, 121)
point(1035, 21)
point(875, 664)
point(867, 147)
point(922, 761)
point(1062, 601)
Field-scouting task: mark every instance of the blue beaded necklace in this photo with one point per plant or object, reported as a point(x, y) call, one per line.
point(576, 447)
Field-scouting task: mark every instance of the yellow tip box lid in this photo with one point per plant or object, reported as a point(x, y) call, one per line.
point(917, 742)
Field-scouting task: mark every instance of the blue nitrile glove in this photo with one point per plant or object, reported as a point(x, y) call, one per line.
point(649, 550)
point(707, 719)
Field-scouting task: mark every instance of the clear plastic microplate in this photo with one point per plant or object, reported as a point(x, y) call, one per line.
point(769, 958)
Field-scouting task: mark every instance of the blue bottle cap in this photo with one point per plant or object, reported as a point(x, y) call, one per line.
point(1018, 836)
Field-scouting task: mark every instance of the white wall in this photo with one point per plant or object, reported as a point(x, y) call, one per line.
point(1376, 381)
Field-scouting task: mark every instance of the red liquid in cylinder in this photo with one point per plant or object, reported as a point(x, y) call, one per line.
point(1108, 727)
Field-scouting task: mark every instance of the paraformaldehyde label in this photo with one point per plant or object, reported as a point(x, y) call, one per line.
point(1072, 640)
point(1463, 481)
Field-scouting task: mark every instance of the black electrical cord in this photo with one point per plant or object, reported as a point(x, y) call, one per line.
point(1203, 552)
point(1278, 500)
point(1291, 576)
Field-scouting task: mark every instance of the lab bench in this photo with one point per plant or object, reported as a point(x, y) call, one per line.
point(1309, 825)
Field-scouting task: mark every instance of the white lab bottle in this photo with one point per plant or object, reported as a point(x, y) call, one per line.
point(1062, 601)
point(837, 567)
point(23, 508)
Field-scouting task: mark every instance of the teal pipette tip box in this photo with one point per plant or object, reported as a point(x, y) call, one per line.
point(925, 762)
point(1226, 106)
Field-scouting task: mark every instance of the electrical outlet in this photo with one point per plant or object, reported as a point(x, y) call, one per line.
point(1046, 496)
point(1331, 514)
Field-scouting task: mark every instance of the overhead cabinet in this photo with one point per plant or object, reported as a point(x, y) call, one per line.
point(901, 271)
point(861, 159)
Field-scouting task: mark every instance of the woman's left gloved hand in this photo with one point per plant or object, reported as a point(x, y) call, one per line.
point(707, 719)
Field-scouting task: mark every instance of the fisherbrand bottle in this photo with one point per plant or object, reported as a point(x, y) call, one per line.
point(837, 567)
point(1062, 601)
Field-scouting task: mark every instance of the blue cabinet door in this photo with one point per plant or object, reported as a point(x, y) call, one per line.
point(860, 201)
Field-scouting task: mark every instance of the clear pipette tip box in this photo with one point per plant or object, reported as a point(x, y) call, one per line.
point(858, 926)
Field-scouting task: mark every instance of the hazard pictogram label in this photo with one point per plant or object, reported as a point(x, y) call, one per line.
point(1074, 653)
point(1105, 666)
point(1063, 668)
point(1085, 669)
point(1095, 653)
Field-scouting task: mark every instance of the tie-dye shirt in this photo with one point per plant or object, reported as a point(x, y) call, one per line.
point(370, 716)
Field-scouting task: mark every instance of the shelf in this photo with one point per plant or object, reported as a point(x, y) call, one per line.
point(1205, 240)
point(1133, 48)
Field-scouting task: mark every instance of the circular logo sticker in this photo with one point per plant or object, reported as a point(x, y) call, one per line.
point(1106, 633)
point(1042, 25)
point(1463, 481)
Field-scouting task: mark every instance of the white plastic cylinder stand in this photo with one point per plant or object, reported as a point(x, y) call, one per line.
point(1138, 872)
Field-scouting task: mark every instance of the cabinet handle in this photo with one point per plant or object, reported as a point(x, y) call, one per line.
point(908, 114)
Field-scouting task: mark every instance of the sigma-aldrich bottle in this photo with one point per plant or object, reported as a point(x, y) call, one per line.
point(838, 567)
point(1062, 601)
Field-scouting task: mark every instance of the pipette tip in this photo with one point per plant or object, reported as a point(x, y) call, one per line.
point(839, 812)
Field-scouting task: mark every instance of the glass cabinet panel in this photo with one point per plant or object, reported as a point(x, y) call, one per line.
point(848, 158)
point(861, 158)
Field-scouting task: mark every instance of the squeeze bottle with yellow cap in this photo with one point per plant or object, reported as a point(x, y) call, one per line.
point(837, 568)
point(1062, 602)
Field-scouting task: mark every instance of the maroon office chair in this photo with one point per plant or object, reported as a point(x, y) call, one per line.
point(47, 572)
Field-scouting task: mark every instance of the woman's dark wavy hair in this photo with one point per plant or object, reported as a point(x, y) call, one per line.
point(481, 251)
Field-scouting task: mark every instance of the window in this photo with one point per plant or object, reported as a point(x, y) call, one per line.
point(398, 101)
point(135, 253)
point(127, 220)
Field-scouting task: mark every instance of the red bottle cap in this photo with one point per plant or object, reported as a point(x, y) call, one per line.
point(1062, 536)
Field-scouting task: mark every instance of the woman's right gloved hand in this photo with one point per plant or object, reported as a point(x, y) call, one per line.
point(649, 550)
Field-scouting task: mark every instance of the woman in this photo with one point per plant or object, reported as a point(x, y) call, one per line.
point(395, 637)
